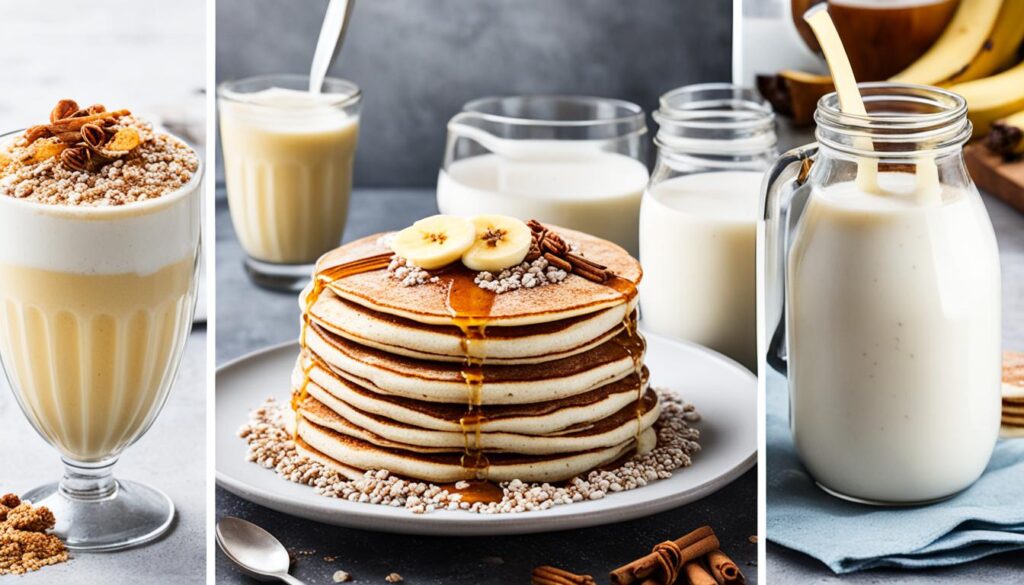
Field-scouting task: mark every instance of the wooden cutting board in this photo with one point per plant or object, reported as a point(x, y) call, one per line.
point(993, 175)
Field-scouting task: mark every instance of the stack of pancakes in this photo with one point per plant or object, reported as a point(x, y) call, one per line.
point(538, 384)
point(1013, 394)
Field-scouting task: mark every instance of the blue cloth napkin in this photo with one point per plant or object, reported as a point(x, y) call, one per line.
point(986, 519)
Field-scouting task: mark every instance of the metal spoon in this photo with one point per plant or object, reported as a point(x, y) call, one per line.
point(256, 552)
point(328, 45)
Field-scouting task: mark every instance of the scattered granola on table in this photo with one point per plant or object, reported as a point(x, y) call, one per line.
point(25, 544)
point(93, 157)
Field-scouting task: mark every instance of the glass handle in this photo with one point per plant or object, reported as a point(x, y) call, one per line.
point(467, 126)
point(787, 174)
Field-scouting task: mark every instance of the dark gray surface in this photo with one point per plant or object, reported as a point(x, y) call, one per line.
point(249, 318)
point(418, 62)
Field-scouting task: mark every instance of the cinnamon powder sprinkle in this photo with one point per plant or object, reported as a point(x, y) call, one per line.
point(24, 543)
point(159, 165)
point(271, 446)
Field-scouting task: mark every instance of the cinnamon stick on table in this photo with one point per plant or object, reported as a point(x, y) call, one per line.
point(724, 570)
point(548, 575)
point(691, 546)
point(697, 574)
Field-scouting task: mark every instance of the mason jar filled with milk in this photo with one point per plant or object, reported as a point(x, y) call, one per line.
point(571, 161)
point(698, 219)
point(883, 299)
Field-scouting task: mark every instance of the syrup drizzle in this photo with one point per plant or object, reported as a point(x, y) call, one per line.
point(321, 280)
point(470, 308)
point(635, 346)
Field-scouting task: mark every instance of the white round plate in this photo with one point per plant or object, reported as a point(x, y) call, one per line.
point(724, 393)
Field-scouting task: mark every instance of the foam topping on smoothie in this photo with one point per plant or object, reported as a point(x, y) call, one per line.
point(93, 157)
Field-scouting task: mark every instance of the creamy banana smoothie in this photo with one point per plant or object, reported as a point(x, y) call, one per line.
point(96, 269)
point(288, 157)
point(894, 340)
point(99, 239)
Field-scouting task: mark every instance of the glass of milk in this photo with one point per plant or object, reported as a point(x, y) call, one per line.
point(882, 297)
point(571, 161)
point(698, 219)
point(288, 157)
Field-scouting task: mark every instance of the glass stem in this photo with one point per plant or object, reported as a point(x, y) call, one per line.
point(88, 481)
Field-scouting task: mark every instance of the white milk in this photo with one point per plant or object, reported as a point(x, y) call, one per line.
point(594, 192)
point(697, 247)
point(894, 341)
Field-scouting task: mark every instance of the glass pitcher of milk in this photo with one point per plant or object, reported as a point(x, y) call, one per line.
point(882, 299)
point(571, 161)
point(699, 216)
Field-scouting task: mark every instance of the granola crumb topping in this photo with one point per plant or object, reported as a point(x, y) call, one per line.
point(271, 445)
point(408, 275)
point(25, 544)
point(118, 160)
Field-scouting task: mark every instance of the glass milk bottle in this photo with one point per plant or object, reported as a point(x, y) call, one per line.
point(571, 161)
point(698, 219)
point(883, 299)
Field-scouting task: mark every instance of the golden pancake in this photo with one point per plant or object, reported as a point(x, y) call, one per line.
point(524, 344)
point(346, 454)
point(428, 303)
point(324, 410)
point(444, 382)
point(536, 418)
point(1013, 376)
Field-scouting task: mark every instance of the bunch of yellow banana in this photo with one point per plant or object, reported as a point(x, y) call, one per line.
point(977, 57)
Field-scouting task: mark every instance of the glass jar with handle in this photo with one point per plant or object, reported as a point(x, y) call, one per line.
point(572, 161)
point(882, 298)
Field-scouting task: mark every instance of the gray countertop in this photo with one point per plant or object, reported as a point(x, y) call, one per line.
point(369, 556)
point(170, 457)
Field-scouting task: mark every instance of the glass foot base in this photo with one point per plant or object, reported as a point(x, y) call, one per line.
point(879, 503)
point(278, 277)
point(130, 515)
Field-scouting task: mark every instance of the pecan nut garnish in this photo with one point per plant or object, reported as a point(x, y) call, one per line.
point(548, 575)
point(64, 109)
point(82, 136)
point(94, 136)
point(556, 251)
point(76, 158)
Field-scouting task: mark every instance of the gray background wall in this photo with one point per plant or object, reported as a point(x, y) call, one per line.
point(418, 61)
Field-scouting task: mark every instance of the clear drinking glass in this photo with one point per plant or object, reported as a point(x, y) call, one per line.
point(882, 296)
point(97, 306)
point(699, 215)
point(288, 158)
point(573, 161)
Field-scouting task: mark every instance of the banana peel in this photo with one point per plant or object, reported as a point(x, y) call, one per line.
point(1000, 48)
point(992, 98)
point(795, 94)
point(955, 49)
point(1007, 136)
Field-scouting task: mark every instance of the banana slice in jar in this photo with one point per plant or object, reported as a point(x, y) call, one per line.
point(500, 242)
